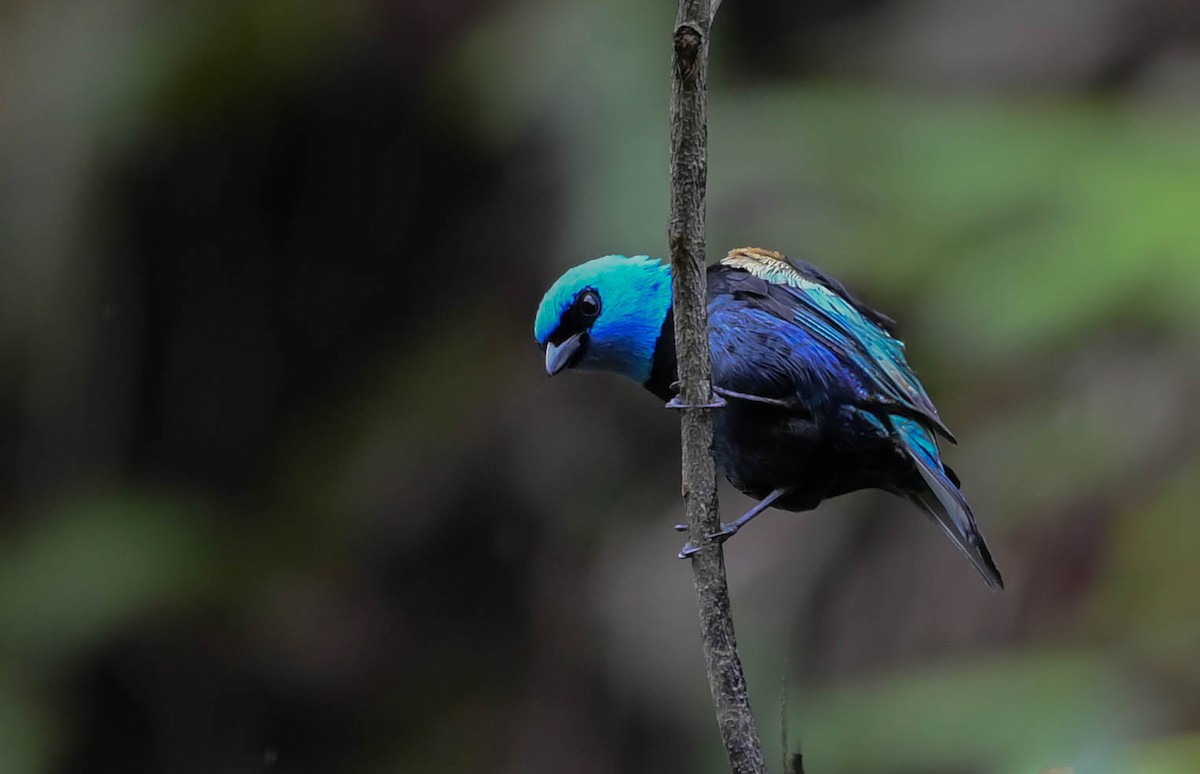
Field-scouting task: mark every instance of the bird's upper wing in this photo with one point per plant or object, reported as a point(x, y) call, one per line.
point(850, 331)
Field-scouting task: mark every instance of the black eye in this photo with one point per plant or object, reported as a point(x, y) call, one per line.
point(589, 303)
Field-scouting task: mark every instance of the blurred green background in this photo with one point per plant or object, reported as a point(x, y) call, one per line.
point(285, 487)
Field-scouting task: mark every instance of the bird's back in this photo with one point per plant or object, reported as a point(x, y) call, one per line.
point(791, 390)
point(820, 398)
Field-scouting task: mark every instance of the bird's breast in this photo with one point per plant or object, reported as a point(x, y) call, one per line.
point(760, 448)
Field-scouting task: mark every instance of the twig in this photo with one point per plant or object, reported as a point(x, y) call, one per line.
point(689, 163)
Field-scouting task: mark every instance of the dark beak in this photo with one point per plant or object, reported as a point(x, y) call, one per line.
point(560, 356)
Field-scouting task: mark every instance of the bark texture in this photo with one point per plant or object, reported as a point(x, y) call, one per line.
point(689, 163)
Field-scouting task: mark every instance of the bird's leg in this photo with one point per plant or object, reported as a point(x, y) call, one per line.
point(787, 404)
point(729, 530)
point(719, 395)
point(678, 404)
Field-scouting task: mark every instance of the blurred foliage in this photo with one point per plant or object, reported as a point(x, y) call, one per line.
point(288, 489)
point(94, 567)
point(970, 713)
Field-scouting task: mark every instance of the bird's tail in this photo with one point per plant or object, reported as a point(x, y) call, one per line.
point(942, 499)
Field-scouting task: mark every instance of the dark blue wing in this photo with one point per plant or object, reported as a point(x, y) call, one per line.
point(831, 326)
point(755, 352)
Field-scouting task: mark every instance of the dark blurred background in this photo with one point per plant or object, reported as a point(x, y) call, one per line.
point(285, 487)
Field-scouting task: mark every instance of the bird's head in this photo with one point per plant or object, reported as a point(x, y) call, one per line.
point(605, 315)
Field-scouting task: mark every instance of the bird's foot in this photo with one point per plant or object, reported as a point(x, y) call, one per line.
point(720, 536)
point(678, 404)
point(729, 530)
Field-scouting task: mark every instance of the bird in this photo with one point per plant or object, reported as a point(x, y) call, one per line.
point(817, 397)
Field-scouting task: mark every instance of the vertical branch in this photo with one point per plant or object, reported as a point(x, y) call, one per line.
point(689, 169)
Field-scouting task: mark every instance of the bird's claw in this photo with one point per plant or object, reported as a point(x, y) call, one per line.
point(681, 527)
point(688, 551)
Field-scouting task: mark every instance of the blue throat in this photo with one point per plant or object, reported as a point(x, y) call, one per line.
point(637, 298)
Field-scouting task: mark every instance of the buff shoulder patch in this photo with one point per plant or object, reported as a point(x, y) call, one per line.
point(768, 265)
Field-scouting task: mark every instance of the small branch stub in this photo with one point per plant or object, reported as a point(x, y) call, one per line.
point(687, 51)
